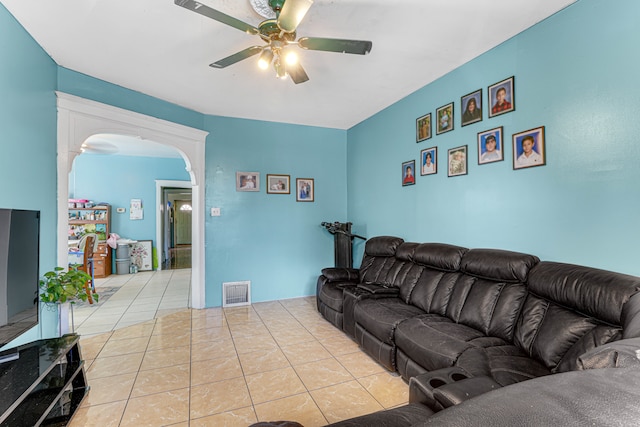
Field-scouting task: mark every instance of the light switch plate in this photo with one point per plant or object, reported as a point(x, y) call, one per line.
point(215, 211)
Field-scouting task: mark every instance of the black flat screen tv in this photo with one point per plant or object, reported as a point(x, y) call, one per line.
point(19, 272)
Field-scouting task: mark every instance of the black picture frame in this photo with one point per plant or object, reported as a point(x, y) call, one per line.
point(495, 153)
point(493, 92)
point(423, 128)
point(457, 164)
point(408, 173)
point(444, 119)
point(432, 168)
point(473, 115)
point(537, 156)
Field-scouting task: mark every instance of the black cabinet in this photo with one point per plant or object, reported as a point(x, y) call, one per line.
point(44, 385)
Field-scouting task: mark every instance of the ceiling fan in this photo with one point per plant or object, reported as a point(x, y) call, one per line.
point(279, 34)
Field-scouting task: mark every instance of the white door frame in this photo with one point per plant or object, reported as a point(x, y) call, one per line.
point(160, 214)
point(80, 118)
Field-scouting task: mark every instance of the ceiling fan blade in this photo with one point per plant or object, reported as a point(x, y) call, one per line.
point(292, 13)
point(237, 57)
point(216, 15)
point(358, 47)
point(297, 73)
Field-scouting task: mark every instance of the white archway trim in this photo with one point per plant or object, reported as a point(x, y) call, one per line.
point(80, 118)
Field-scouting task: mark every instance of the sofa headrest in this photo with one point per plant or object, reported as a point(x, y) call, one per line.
point(405, 251)
point(382, 246)
point(498, 265)
point(598, 293)
point(439, 255)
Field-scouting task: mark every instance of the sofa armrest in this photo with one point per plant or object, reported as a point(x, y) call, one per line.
point(335, 274)
point(457, 392)
point(618, 354)
point(379, 289)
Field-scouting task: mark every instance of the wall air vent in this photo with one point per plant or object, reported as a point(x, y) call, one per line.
point(235, 294)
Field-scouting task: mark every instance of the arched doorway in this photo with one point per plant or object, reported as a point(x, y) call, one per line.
point(79, 118)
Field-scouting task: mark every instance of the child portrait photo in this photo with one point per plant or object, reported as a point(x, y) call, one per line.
point(247, 181)
point(490, 146)
point(444, 117)
point(529, 148)
point(501, 97)
point(457, 161)
point(428, 161)
point(423, 128)
point(409, 173)
point(471, 105)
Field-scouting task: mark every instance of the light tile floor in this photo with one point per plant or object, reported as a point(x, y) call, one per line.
point(228, 367)
point(130, 299)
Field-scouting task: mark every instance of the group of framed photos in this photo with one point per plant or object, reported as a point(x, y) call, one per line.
point(528, 146)
point(277, 184)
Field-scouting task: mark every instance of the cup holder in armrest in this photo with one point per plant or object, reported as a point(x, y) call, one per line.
point(421, 387)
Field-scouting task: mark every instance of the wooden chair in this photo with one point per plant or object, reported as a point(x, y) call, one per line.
point(87, 266)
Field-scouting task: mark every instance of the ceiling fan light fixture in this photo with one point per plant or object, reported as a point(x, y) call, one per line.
point(281, 71)
point(265, 59)
point(290, 57)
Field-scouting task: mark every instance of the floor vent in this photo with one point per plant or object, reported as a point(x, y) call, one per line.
point(235, 294)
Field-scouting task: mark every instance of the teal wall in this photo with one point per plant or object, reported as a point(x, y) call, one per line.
point(270, 239)
point(117, 179)
point(576, 74)
point(88, 87)
point(28, 140)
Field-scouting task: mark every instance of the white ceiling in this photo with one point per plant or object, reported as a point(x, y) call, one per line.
point(163, 50)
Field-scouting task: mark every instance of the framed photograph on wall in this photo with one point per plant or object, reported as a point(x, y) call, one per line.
point(490, 146)
point(529, 148)
point(278, 184)
point(429, 161)
point(423, 128)
point(444, 117)
point(305, 191)
point(141, 254)
point(471, 105)
point(409, 173)
point(247, 181)
point(502, 97)
point(457, 161)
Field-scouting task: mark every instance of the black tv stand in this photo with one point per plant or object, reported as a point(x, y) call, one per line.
point(45, 385)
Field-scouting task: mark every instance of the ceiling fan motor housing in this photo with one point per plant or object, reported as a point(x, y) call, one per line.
point(276, 5)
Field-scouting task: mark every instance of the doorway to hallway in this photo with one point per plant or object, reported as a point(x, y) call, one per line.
point(176, 226)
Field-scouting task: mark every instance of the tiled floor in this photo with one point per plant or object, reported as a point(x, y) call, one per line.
point(231, 367)
point(130, 299)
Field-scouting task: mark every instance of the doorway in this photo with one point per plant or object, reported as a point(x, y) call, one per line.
point(80, 118)
point(177, 217)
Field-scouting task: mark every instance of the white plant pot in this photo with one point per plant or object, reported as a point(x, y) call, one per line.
point(65, 312)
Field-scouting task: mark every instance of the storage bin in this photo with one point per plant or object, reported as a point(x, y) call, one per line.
point(122, 266)
point(122, 251)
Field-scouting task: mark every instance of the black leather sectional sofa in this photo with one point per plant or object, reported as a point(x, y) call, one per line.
point(458, 322)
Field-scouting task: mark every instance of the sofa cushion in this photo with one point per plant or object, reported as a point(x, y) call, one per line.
point(439, 256)
point(381, 316)
point(493, 307)
point(379, 259)
point(433, 291)
point(331, 294)
point(384, 246)
point(592, 292)
point(341, 274)
point(546, 331)
point(499, 265)
point(434, 341)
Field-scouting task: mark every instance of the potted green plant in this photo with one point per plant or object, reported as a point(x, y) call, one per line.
point(60, 286)
point(62, 289)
